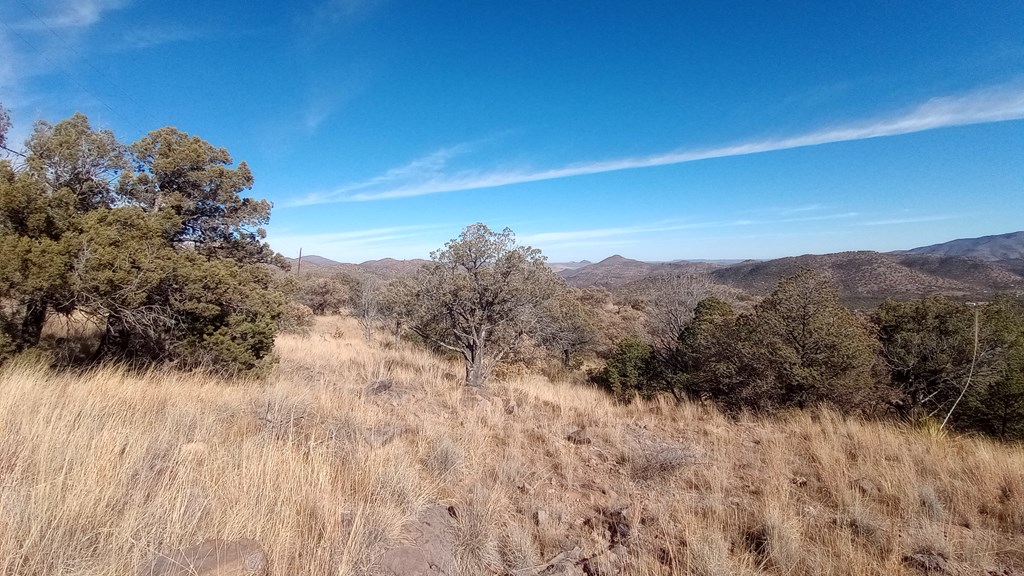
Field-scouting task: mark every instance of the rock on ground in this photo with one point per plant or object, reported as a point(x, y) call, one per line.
point(430, 550)
point(211, 558)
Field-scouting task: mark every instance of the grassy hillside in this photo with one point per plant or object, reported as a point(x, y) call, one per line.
point(329, 464)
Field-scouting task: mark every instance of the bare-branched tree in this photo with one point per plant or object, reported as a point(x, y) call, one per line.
point(481, 296)
point(671, 305)
point(366, 305)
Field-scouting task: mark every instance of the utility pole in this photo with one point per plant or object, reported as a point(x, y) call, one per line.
point(298, 267)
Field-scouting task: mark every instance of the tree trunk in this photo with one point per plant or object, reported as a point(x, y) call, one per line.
point(475, 375)
point(32, 324)
point(101, 346)
point(398, 331)
point(106, 339)
point(565, 358)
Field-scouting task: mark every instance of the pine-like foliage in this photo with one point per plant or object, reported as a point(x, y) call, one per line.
point(154, 243)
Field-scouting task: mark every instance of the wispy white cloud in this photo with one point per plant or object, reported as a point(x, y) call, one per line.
point(342, 10)
point(53, 38)
point(370, 236)
point(618, 235)
point(8, 72)
point(316, 113)
point(779, 211)
point(429, 167)
point(616, 245)
point(323, 19)
point(430, 175)
point(801, 209)
point(68, 14)
point(906, 220)
point(141, 38)
point(326, 96)
point(547, 238)
point(394, 241)
point(839, 216)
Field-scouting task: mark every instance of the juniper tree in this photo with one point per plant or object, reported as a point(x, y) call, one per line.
point(803, 347)
point(704, 362)
point(797, 348)
point(155, 241)
point(633, 369)
point(926, 345)
point(994, 403)
point(940, 351)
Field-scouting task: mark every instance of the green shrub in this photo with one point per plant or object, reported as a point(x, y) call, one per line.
point(927, 346)
point(956, 362)
point(632, 370)
point(805, 348)
point(705, 356)
point(324, 295)
point(798, 348)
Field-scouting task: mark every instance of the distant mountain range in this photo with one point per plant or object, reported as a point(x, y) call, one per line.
point(970, 267)
point(990, 248)
point(386, 268)
point(560, 266)
point(967, 268)
point(866, 278)
point(616, 271)
point(314, 260)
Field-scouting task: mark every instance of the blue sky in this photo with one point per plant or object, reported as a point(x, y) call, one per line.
point(655, 130)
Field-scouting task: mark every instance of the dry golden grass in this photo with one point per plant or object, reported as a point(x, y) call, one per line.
point(99, 472)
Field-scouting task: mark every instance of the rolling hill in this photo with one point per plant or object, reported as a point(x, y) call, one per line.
point(965, 268)
point(385, 268)
point(866, 278)
point(560, 266)
point(1008, 246)
point(389, 268)
point(616, 271)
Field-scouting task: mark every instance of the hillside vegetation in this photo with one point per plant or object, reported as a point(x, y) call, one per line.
point(997, 247)
point(333, 461)
point(864, 278)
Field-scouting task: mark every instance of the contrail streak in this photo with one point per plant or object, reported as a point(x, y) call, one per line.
point(979, 107)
